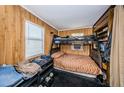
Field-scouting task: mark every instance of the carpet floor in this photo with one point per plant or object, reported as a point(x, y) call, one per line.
point(66, 79)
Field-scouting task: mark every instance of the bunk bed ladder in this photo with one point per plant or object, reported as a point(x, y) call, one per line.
point(51, 45)
point(51, 49)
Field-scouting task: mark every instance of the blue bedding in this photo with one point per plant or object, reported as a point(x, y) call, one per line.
point(9, 77)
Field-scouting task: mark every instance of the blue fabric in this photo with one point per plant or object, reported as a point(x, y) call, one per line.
point(46, 57)
point(103, 47)
point(8, 76)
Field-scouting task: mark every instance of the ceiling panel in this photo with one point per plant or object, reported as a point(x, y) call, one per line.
point(68, 16)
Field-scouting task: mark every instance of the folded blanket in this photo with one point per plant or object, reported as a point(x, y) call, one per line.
point(28, 69)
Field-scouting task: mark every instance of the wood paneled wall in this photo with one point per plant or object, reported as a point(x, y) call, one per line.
point(12, 33)
point(67, 48)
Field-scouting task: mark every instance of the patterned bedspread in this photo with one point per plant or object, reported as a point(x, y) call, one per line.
point(76, 63)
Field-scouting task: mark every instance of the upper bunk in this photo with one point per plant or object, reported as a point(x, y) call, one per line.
point(74, 39)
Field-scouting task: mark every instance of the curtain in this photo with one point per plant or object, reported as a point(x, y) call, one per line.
point(117, 49)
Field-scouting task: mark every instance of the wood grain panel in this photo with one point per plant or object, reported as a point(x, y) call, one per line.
point(12, 33)
point(2, 37)
point(67, 48)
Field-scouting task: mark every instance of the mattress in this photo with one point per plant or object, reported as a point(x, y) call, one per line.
point(9, 77)
point(76, 63)
point(77, 73)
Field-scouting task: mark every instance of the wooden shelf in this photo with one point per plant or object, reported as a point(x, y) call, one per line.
point(101, 29)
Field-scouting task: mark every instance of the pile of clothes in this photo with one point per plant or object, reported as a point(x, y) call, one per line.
point(28, 69)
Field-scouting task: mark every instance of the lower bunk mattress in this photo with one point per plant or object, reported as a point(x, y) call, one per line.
point(9, 76)
point(76, 73)
point(76, 64)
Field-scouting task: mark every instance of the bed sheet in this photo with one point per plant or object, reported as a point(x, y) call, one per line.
point(76, 63)
point(9, 76)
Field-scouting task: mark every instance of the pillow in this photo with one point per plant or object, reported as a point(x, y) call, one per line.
point(95, 55)
point(57, 54)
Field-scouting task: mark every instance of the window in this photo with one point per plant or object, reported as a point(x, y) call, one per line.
point(77, 34)
point(77, 47)
point(34, 39)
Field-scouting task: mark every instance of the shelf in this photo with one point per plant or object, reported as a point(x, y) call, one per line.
point(102, 32)
point(102, 37)
point(103, 40)
point(101, 26)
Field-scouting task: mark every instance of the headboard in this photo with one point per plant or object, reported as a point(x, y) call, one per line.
point(95, 55)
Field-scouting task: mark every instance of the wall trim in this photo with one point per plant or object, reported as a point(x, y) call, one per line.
point(38, 16)
point(51, 24)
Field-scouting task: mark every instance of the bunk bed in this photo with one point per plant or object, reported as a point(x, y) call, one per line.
point(89, 66)
point(71, 39)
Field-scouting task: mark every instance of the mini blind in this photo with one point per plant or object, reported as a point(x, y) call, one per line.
point(34, 39)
